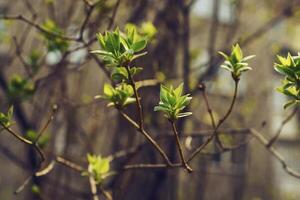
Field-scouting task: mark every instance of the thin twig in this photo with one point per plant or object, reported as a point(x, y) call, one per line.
point(86, 20)
point(37, 26)
point(151, 166)
point(113, 17)
point(275, 153)
point(69, 164)
point(105, 194)
point(221, 121)
point(187, 167)
point(93, 186)
point(283, 123)
point(50, 119)
point(137, 98)
point(147, 136)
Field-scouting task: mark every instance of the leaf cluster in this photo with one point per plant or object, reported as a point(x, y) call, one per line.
point(290, 68)
point(54, 43)
point(98, 167)
point(119, 49)
point(6, 119)
point(236, 63)
point(118, 96)
point(172, 102)
point(33, 60)
point(20, 88)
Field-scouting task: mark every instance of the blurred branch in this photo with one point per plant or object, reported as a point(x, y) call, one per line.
point(286, 13)
point(283, 123)
point(275, 153)
point(93, 186)
point(19, 55)
point(37, 26)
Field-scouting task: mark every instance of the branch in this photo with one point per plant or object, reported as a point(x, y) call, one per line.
point(137, 98)
point(283, 123)
point(93, 186)
point(187, 167)
point(221, 121)
point(151, 166)
point(37, 26)
point(148, 137)
point(275, 153)
point(112, 19)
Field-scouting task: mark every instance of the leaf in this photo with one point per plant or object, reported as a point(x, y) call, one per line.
point(185, 114)
point(129, 101)
point(138, 55)
point(135, 70)
point(227, 68)
point(140, 45)
point(119, 74)
point(10, 113)
point(172, 102)
point(102, 53)
point(178, 90)
point(108, 90)
point(248, 58)
point(104, 166)
point(148, 29)
point(237, 52)
point(224, 55)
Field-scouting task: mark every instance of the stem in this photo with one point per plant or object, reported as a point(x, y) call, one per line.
point(209, 110)
point(69, 164)
point(151, 166)
point(187, 167)
point(138, 102)
point(148, 137)
point(221, 121)
point(140, 127)
point(105, 194)
point(93, 186)
point(283, 123)
point(16, 135)
point(275, 153)
point(25, 141)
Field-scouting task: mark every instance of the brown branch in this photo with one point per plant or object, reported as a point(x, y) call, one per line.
point(69, 164)
point(114, 14)
point(275, 153)
point(137, 98)
point(283, 123)
point(184, 163)
point(19, 55)
point(86, 20)
point(202, 88)
point(151, 166)
point(196, 134)
point(221, 121)
point(50, 119)
point(147, 136)
point(37, 26)
point(105, 194)
point(93, 186)
point(16, 135)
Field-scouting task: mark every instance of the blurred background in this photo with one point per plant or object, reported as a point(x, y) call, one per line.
point(186, 39)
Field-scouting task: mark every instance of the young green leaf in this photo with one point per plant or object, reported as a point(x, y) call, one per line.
point(235, 63)
point(98, 167)
point(290, 68)
point(172, 102)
